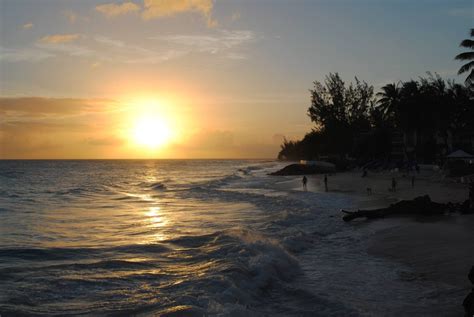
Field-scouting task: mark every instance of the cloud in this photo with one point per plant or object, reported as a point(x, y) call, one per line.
point(14, 107)
point(163, 8)
point(32, 127)
point(21, 142)
point(109, 41)
point(132, 54)
point(23, 55)
point(39, 127)
point(27, 26)
point(223, 40)
point(69, 49)
point(59, 38)
point(40, 139)
point(113, 10)
point(101, 50)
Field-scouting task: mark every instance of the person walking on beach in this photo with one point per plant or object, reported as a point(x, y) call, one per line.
point(471, 194)
point(305, 181)
point(326, 181)
point(394, 184)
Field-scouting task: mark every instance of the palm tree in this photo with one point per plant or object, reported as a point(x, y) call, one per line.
point(467, 56)
point(389, 100)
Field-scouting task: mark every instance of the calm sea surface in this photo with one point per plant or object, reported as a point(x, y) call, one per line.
point(193, 237)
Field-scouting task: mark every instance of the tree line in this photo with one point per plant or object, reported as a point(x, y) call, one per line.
point(422, 119)
point(352, 120)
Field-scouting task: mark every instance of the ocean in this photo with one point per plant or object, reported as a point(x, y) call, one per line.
point(188, 238)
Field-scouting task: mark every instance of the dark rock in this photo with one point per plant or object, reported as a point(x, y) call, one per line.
point(468, 302)
point(419, 206)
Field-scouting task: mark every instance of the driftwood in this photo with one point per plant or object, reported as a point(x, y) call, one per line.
point(419, 206)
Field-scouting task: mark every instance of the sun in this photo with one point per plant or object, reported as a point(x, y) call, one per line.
point(151, 132)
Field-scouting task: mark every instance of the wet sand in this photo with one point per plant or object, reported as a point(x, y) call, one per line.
point(438, 249)
point(441, 250)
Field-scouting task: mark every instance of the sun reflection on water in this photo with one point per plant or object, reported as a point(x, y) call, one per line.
point(154, 215)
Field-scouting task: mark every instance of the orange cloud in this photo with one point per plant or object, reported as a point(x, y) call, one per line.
point(161, 8)
point(59, 38)
point(13, 107)
point(38, 127)
point(112, 9)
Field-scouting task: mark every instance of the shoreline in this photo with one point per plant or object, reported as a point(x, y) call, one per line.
point(437, 249)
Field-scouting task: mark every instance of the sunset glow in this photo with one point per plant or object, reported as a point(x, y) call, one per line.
point(195, 79)
point(151, 132)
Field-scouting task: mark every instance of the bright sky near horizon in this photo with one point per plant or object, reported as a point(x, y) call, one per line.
point(200, 78)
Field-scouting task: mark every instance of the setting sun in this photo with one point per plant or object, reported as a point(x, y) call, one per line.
point(151, 132)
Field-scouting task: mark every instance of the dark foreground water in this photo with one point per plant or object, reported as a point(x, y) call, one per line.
point(188, 236)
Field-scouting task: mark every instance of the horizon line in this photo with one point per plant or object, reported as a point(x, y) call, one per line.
point(131, 159)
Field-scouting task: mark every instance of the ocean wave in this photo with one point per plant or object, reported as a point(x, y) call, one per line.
point(11, 174)
point(105, 265)
point(248, 261)
point(157, 186)
point(55, 254)
point(50, 254)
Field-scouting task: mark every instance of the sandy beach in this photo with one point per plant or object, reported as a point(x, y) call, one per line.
point(437, 249)
point(432, 183)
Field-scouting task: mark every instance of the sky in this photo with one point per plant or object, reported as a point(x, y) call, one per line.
point(200, 78)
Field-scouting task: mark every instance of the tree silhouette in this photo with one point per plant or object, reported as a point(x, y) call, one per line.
point(389, 101)
point(433, 116)
point(467, 56)
point(339, 110)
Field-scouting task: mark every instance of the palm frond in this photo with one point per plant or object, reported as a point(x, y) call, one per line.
point(470, 78)
point(466, 67)
point(467, 43)
point(465, 56)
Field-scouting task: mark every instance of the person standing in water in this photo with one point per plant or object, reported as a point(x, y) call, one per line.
point(394, 184)
point(305, 181)
point(326, 181)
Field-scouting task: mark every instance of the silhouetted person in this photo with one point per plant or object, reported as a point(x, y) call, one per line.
point(394, 184)
point(305, 181)
point(364, 173)
point(417, 168)
point(413, 181)
point(326, 181)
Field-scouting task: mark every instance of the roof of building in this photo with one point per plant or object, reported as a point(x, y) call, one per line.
point(460, 154)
